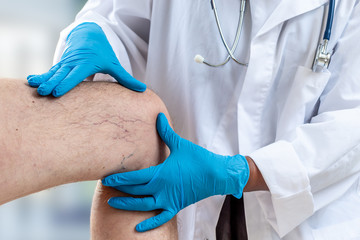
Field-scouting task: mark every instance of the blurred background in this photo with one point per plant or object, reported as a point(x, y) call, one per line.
point(29, 30)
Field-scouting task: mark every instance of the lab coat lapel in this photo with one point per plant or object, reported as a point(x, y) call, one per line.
point(287, 9)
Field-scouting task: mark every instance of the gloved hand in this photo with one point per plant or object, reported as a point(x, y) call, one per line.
point(190, 174)
point(87, 52)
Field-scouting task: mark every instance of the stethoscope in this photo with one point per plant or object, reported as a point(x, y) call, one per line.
point(322, 57)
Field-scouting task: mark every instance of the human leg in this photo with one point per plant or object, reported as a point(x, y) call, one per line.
point(95, 130)
point(106, 221)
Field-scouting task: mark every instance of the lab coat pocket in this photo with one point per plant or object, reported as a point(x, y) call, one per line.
point(301, 101)
point(349, 230)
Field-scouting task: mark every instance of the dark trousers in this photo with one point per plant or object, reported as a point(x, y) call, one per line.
point(231, 224)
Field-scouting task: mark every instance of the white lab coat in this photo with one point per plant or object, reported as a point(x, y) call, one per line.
point(301, 128)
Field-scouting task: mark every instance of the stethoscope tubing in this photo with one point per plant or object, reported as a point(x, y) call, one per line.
point(322, 48)
point(238, 33)
point(330, 19)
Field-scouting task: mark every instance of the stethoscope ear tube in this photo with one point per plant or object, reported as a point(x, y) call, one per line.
point(200, 59)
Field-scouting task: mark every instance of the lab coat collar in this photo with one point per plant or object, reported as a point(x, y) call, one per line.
point(287, 9)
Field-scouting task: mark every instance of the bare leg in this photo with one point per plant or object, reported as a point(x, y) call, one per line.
point(106, 222)
point(95, 130)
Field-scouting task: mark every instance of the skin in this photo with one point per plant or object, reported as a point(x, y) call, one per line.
point(256, 181)
point(95, 130)
point(107, 222)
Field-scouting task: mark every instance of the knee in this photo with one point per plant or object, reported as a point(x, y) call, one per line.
point(153, 105)
point(150, 149)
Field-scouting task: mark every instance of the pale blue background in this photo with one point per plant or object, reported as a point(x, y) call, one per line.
point(29, 30)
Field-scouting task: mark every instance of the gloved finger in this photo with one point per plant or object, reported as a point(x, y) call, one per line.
point(142, 176)
point(133, 204)
point(140, 189)
point(31, 75)
point(166, 133)
point(155, 221)
point(36, 80)
point(47, 87)
point(76, 76)
point(126, 80)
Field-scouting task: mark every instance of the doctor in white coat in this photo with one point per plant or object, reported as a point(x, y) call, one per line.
point(301, 128)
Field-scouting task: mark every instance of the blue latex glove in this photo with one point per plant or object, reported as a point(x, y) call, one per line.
point(190, 174)
point(87, 52)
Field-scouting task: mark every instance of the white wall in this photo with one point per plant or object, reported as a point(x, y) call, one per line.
point(29, 30)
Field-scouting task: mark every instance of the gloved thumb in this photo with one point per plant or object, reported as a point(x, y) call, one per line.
point(155, 221)
point(166, 133)
point(126, 80)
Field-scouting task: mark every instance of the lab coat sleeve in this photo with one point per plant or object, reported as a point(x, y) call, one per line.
point(126, 25)
point(321, 160)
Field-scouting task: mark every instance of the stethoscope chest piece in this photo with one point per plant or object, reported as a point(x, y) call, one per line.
point(322, 57)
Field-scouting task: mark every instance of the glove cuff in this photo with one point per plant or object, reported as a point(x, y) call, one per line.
point(239, 173)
